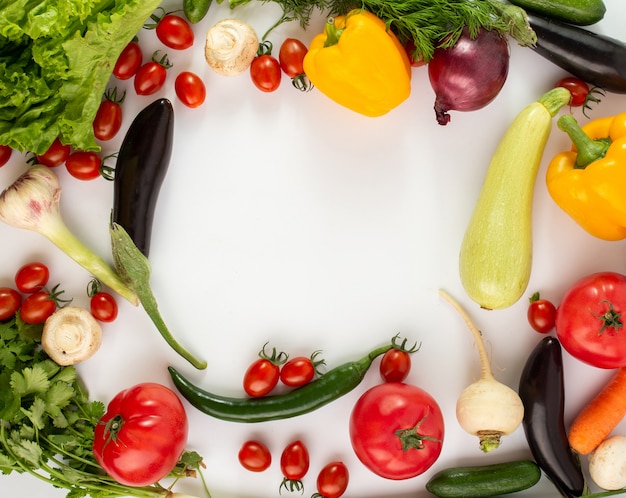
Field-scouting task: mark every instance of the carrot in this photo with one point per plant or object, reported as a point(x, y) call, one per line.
point(600, 416)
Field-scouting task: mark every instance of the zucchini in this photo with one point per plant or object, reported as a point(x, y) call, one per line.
point(579, 12)
point(484, 480)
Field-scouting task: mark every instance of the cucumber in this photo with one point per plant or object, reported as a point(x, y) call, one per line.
point(484, 480)
point(579, 12)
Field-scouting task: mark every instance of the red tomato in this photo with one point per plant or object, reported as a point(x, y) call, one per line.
point(128, 62)
point(108, 120)
point(55, 155)
point(395, 365)
point(388, 415)
point(142, 435)
point(84, 165)
point(291, 55)
point(150, 77)
point(175, 32)
point(254, 456)
point(10, 301)
point(32, 277)
point(190, 89)
point(409, 46)
point(103, 307)
point(265, 73)
point(37, 307)
point(589, 320)
point(263, 374)
point(332, 481)
point(578, 88)
point(5, 154)
point(299, 370)
point(541, 314)
point(294, 464)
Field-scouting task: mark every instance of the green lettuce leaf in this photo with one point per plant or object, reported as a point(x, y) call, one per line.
point(56, 58)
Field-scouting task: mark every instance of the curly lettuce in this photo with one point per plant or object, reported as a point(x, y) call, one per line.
point(56, 58)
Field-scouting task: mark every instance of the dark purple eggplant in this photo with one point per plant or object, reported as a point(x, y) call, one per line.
point(142, 164)
point(594, 58)
point(542, 392)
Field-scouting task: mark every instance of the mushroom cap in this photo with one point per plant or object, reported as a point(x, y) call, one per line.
point(71, 335)
point(230, 47)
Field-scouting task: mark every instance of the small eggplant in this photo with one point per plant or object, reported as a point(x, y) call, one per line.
point(542, 391)
point(142, 163)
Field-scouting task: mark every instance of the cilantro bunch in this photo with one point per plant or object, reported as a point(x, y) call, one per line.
point(47, 421)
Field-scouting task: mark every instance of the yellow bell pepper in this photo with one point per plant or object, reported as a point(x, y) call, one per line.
point(360, 64)
point(589, 181)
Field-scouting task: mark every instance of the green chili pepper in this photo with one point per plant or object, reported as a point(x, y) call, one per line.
point(195, 10)
point(329, 387)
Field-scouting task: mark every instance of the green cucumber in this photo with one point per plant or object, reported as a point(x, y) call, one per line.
point(484, 480)
point(579, 12)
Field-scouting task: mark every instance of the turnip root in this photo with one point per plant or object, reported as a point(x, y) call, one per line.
point(486, 408)
point(607, 464)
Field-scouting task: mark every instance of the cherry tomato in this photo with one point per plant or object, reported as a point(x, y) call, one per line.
point(150, 77)
point(190, 89)
point(142, 435)
point(395, 365)
point(84, 165)
point(541, 314)
point(103, 307)
point(265, 73)
point(589, 320)
point(37, 307)
point(409, 46)
point(254, 456)
point(175, 32)
point(5, 154)
point(578, 88)
point(388, 415)
point(263, 374)
point(32, 277)
point(128, 62)
point(332, 481)
point(10, 301)
point(108, 120)
point(300, 370)
point(291, 55)
point(294, 464)
point(55, 155)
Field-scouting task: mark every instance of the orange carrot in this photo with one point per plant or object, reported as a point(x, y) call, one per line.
point(600, 416)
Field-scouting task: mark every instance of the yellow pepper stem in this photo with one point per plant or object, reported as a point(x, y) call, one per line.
point(332, 32)
point(588, 150)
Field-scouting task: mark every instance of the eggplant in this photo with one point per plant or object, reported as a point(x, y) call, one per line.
point(592, 57)
point(141, 167)
point(541, 389)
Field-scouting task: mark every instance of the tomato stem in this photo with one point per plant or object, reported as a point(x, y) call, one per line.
point(412, 439)
point(611, 319)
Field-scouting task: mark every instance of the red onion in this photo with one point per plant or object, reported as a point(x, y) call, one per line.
point(468, 75)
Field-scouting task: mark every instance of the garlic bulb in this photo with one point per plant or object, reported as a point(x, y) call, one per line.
point(230, 47)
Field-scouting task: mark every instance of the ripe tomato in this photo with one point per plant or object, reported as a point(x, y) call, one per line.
point(103, 307)
point(391, 415)
point(541, 314)
point(265, 73)
point(332, 481)
point(254, 456)
point(589, 320)
point(55, 155)
point(142, 435)
point(32, 277)
point(300, 370)
point(263, 374)
point(190, 89)
point(128, 62)
point(5, 154)
point(84, 165)
point(395, 365)
point(175, 32)
point(150, 77)
point(578, 88)
point(37, 307)
point(10, 301)
point(291, 55)
point(108, 120)
point(294, 464)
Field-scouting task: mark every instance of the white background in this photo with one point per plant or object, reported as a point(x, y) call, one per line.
point(287, 218)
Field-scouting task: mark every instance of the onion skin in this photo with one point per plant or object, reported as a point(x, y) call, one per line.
point(470, 74)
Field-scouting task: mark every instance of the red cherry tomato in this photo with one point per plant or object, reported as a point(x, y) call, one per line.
point(128, 62)
point(150, 77)
point(294, 464)
point(265, 73)
point(55, 155)
point(332, 481)
point(84, 165)
point(10, 301)
point(263, 374)
point(37, 307)
point(291, 56)
point(175, 32)
point(395, 365)
point(300, 370)
point(32, 277)
point(389, 415)
point(108, 120)
point(5, 154)
point(103, 307)
point(190, 89)
point(254, 456)
point(578, 88)
point(541, 314)
point(142, 435)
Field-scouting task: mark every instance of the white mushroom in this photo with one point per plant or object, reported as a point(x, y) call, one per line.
point(231, 45)
point(71, 335)
point(607, 464)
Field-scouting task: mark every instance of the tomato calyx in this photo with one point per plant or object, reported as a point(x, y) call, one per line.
point(291, 485)
point(163, 61)
point(403, 345)
point(265, 48)
point(112, 429)
point(302, 83)
point(412, 439)
point(276, 358)
point(54, 294)
point(610, 319)
point(111, 95)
